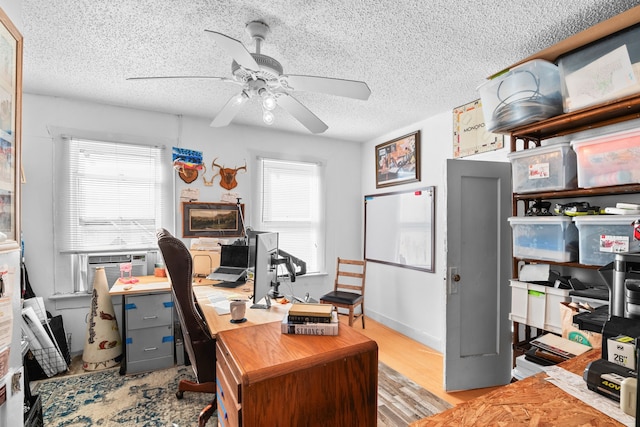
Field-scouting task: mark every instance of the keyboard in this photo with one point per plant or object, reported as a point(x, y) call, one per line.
point(230, 270)
point(230, 284)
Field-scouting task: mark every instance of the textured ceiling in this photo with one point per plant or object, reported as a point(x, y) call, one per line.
point(420, 58)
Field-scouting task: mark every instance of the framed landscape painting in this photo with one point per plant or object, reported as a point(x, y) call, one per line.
point(200, 219)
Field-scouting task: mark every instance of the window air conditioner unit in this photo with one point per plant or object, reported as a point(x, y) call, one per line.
point(142, 264)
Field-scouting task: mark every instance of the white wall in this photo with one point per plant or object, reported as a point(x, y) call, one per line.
point(409, 301)
point(232, 144)
point(413, 302)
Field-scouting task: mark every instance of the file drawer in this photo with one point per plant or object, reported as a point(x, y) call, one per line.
point(223, 365)
point(228, 390)
point(150, 343)
point(144, 311)
point(228, 406)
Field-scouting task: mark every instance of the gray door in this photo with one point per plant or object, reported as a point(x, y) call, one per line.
point(478, 330)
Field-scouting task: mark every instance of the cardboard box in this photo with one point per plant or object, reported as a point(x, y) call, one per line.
point(204, 262)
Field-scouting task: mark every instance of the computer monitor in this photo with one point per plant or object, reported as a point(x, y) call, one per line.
point(265, 269)
point(251, 242)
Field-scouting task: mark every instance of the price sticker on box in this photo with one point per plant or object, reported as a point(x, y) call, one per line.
point(622, 351)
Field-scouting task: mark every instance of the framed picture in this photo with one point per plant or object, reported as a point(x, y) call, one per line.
point(470, 136)
point(212, 219)
point(398, 161)
point(10, 128)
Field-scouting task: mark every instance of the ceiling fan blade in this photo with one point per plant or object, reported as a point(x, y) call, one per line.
point(348, 88)
point(223, 79)
point(236, 49)
point(302, 113)
point(229, 110)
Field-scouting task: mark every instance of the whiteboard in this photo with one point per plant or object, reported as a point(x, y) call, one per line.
point(399, 228)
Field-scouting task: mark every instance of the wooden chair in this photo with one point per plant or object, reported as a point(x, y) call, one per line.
point(348, 289)
point(200, 345)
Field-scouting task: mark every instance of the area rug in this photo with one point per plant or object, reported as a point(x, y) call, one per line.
point(402, 401)
point(107, 398)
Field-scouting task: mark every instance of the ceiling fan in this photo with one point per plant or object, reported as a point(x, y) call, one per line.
point(262, 77)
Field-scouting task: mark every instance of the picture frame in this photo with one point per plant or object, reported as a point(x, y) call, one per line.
point(398, 161)
point(470, 135)
point(202, 219)
point(11, 48)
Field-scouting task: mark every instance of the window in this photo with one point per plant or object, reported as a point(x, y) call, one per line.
point(291, 202)
point(108, 198)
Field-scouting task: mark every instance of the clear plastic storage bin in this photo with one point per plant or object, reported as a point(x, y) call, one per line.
point(612, 159)
point(547, 238)
point(546, 168)
point(605, 70)
point(525, 94)
point(602, 236)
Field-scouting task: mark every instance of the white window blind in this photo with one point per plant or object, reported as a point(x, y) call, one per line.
point(108, 195)
point(291, 203)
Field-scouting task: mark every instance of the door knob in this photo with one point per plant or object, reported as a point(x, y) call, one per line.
point(455, 277)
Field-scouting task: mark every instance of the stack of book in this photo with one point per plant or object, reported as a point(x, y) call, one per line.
point(311, 319)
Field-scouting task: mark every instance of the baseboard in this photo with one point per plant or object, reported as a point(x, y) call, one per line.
point(423, 338)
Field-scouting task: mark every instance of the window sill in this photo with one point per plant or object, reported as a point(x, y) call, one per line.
point(78, 295)
point(318, 274)
point(74, 300)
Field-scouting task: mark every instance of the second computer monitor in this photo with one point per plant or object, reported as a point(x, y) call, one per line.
point(264, 273)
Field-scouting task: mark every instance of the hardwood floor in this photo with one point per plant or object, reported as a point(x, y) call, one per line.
point(416, 361)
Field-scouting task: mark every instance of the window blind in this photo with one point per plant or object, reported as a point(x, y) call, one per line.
point(291, 203)
point(108, 195)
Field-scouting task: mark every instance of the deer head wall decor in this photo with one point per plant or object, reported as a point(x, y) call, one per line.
point(228, 175)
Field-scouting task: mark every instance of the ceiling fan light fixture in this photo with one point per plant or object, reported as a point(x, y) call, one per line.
point(241, 97)
point(268, 100)
point(262, 76)
point(267, 117)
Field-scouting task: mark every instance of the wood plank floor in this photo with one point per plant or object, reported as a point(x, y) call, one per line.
point(414, 360)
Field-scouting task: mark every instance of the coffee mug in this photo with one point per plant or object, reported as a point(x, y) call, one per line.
point(237, 310)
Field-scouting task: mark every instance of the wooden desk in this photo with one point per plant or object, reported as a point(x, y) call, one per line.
point(265, 377)
point(145, 285)
point(532, 401)
point(203, 288)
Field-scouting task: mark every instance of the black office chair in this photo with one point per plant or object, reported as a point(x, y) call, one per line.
point(200, 345)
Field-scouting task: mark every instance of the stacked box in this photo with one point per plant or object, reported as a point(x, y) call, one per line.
point(537, 305)
point(546, 238)
point(525, 94)
point(602, 236)
point(605, 70)
point(547, 168)
point(612, 159)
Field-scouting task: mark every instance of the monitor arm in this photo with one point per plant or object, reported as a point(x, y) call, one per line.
point(292, 264)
